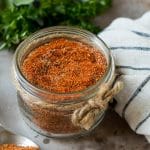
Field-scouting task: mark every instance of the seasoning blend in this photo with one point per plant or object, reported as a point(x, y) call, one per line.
point(56, 71)
point(15, 147)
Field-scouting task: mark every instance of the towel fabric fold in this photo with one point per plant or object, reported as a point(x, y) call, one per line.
point(129, 41)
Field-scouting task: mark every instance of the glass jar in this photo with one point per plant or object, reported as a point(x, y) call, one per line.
point(49, 113)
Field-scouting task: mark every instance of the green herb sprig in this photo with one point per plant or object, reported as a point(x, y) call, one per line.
point(20, 18)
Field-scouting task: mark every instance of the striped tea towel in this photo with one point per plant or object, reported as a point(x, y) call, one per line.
point(129, 41)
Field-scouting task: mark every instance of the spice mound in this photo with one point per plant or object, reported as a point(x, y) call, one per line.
point(15, 147)
point(64, 65)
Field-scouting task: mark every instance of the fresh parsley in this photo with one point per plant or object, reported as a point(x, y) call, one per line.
point(19, 18)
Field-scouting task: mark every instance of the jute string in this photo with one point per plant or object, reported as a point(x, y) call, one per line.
point(86, 116)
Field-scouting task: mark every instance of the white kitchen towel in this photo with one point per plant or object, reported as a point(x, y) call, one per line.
point(129, 41)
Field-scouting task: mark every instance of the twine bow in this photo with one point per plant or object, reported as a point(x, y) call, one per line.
point(86, 116)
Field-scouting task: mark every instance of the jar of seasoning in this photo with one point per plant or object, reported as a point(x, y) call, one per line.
point(47, 105)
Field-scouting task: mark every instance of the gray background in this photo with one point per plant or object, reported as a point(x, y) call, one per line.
point(123, 8)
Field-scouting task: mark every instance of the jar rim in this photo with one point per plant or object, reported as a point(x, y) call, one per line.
point(23, 81)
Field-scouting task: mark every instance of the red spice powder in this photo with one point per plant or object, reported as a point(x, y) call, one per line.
point(15, 147)
point(64, 65)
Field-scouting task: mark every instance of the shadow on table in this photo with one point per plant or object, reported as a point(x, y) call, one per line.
point(113, 133)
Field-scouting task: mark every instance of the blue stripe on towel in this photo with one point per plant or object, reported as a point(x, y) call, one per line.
point(136, 48)
point(137, 91)
point(141, 122)
point(141, 34)
point(133, 68)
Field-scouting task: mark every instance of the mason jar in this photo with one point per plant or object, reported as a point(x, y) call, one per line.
point(49, 113)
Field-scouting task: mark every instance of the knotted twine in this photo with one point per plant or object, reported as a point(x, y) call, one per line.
point(86, 116)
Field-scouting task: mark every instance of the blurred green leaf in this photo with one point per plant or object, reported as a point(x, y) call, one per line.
point(22, 17)
point(22, 2)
